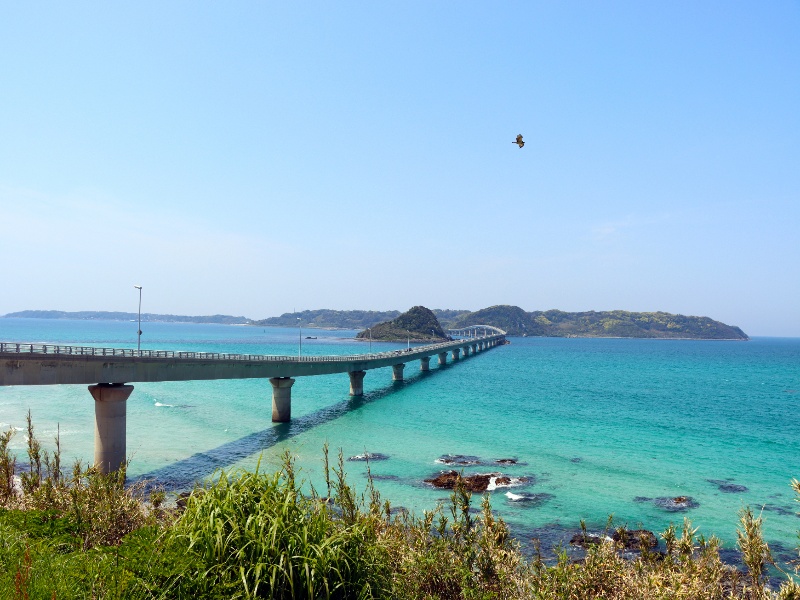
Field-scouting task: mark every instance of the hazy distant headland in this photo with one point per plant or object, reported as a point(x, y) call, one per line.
point(513, 319)
point(103, 315)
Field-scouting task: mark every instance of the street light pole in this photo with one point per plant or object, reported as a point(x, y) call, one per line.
point(408, 339)
point(300, 328)
point(370, 339)
point(139, 332)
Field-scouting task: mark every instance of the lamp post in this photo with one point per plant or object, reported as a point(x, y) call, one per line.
point(300, 329)
point(408, 338)
point(139, 332)
point(370, 339)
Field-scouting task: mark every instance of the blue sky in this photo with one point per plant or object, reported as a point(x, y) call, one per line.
point(256, 158)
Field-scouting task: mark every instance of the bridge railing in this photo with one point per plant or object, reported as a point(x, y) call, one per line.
point(54, 349)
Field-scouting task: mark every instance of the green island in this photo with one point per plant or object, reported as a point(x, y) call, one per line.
point(512, 319)
point(261, 535)
point(418, 324)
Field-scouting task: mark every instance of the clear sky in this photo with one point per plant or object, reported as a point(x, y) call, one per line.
point(252, 158)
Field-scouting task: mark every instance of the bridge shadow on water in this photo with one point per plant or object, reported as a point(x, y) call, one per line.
point(185, 473)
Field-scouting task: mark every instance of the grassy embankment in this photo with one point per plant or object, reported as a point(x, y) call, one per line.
point(256, 535)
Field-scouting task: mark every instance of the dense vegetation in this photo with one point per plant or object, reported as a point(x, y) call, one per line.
point(615, 323)
point(416, 324)
point(255, 535)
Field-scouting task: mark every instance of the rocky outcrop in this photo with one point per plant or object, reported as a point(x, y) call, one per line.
point(417, 324)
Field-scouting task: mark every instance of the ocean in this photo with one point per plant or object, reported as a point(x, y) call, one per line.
point(597, 427)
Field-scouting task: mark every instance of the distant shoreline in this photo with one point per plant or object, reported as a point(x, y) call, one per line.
point(515, 321)
point(318, 328)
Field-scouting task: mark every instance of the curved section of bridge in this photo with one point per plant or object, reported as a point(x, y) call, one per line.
point(111, 370)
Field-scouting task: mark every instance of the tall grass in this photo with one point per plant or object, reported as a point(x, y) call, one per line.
point(256, 535)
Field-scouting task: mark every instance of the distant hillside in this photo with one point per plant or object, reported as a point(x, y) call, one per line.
point(332, 319)
point(417, 324)
point(513, 319)
point(615, 323)
point(344, 319)
point(102, 315)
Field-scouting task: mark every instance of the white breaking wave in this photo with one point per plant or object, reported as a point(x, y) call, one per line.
point(493, 485)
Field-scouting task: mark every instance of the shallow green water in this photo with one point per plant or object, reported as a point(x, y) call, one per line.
point(596, 425)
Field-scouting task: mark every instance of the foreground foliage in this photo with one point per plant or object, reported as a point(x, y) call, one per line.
point(255, 535)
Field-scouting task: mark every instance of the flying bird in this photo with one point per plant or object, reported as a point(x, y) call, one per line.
point(519, 141)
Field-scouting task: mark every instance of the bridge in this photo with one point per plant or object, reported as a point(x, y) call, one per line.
point(110, 371)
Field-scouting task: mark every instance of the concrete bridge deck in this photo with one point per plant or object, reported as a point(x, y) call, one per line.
point(109, 371)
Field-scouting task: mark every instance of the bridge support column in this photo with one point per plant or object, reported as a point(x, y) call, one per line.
point(425, 363)
point(281, 399)
point(357, 383)
point(397, 372)
point(456, 353)
point(442, 358)
point(109, 424)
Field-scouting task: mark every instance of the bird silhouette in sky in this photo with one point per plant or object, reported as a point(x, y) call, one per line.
point(519, 141)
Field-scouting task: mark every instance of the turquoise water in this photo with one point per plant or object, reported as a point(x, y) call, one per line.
point(599, 426)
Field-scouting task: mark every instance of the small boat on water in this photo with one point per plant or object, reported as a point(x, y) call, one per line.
point(308, 337)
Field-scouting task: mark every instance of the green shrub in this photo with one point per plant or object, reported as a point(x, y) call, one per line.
point(256, 535)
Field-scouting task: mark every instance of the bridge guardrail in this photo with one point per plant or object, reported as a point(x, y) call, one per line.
point(55, 349)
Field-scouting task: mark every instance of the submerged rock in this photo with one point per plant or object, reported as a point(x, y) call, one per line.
point(677, 503)
point(674, 504)
point(529, 500)
point(379, 477)
point(463, 460)
point(780, 510)
point(727, 487)
point(368, 456)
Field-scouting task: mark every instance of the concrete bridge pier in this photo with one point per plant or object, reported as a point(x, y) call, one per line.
point(109, 424)
point(475, 348)
point(456, 353)
point(397, 372)
point(425, 363)
point(281, 399)
point(357, 383)
point(442, 358)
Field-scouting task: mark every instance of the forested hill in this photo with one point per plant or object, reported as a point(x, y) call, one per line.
point(418, 324)
point(615, 323)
